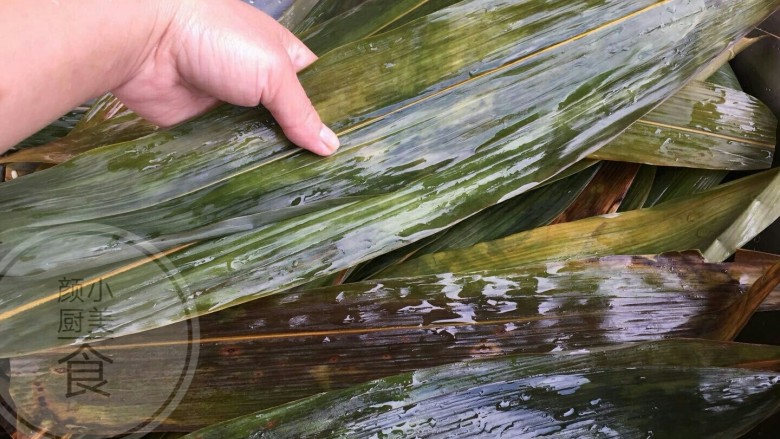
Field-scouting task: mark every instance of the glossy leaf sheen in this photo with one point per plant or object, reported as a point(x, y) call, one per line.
point(622, 392)
point(203, 193)
point(671, 183)
point(726, 129)
point(293, 345)
point(524, 212)
point(368, 18)
point(694, 222)
point(325, 10)
point(471, 158)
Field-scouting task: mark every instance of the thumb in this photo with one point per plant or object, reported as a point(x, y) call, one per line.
point(285, 98)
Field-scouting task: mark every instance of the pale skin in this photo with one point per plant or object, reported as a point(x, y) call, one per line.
point(168, 60)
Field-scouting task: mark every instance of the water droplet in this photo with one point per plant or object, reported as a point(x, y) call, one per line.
point(503, 405)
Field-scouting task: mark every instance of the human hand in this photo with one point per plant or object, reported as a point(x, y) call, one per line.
point(226, 50)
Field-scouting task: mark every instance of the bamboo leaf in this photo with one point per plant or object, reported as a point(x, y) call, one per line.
point(103, 109)
point(600, 394)
point(727, 56)
point(108, 121)
point(757, 294)
point(704, 125)
point(523, 212)
point(713, 219)
point(725, 77)
point(603, 194)
point(762, 261)
point(427, 8)
point(293, 345)
point(325, 10)
point(756, 257)
point(738, 132)
point(640, 189)
point(763, 210)
point(465, 159)
point(672, 183)
point(293, 16)
point(368, 18)
point(119, 126)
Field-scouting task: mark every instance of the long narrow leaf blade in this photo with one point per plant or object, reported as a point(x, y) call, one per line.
point(275, 350)
point(640, 189)
point(366, 19)
point(524, 212)
point(481, 160)
point(725, 129)
point(601, 394)
point(671, 183)
point(603, 194)
point(695, 222)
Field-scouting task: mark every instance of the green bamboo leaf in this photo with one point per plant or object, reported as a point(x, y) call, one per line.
point(325, 10)
point(600, 394)
point(725, 129)
point(712, 219)
point(762, 211)
point(640, 189)
point(524, 212)
point(739, 134)
point(466, 159)
point(274, 350)
point(672, 183)
point(724, 58)
point(397, 85)
point(725, 77)
point(368, 18)
point(427, 8)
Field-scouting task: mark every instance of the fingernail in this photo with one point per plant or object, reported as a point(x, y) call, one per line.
point(329, 138)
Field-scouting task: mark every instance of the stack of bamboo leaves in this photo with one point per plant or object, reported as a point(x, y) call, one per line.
point(523, 234)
